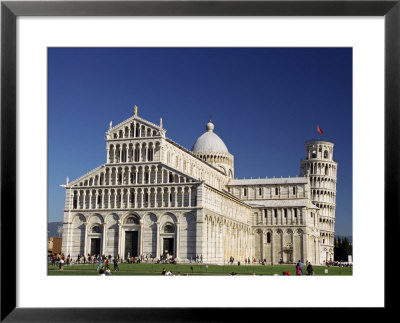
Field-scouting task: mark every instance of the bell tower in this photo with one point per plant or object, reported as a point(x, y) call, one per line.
point(322, 171)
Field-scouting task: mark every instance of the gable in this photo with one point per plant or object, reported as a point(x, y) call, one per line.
point(134, 127)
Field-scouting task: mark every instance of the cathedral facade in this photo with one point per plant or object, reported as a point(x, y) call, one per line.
point(155, 197)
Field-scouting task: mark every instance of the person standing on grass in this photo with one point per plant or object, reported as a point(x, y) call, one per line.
point(164, 271)
point(61, 264)
point(310, 269)
point(100, 263)
point(298, 268)
point(301, 267)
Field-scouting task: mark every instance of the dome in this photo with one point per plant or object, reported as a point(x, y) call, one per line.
point(209, 142)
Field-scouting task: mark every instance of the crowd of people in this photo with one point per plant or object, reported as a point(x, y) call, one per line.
point(338, 264)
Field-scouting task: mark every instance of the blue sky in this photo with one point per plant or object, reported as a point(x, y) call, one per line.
point(264, 102)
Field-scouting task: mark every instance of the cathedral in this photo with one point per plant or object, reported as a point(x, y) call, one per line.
point(155, 197)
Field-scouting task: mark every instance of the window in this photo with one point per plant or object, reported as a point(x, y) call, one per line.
point(266, 214)
point(268, 237)
point(132, 220)
point(275, 213)
point(245, 192)
point(96, 229)
point(295, 213)
point(75, 203)
point(314, 154)
point(285, 213)
point(277, 190)
point(294, 190)
point(169, 228)
point(325, 154)
point(259, 191)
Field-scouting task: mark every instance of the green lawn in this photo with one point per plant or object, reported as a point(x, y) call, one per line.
point(196, 269)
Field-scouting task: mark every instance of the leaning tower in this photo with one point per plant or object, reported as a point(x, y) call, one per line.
point(322, 170)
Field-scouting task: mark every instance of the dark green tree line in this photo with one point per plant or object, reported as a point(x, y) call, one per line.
point(343, 248)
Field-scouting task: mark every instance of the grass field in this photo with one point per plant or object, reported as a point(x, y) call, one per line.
point(197, 269)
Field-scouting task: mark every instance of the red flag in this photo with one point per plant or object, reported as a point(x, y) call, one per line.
point(319, 130)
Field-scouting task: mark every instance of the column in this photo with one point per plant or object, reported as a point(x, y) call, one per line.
point(162, 197)
point(85, 246)
point(102, 199)
point(129, 176)
point(148, 197)
point(183, 196)
point(129, 199)
point(146, 153)
point(135, 197)
point(262, 246)
point(109, 200)
point(115, 199)
point(126, 153)
point(158, 240)
point(169, 197)
point(115, 154)
point(104, 238)
point(96, 199)
point(156, 175)
point(304, 236)
point(142, 175)
point(177, 239)
point(176, 196)
point(141, 198)
point(108, 155)
point(141, 238)
point(140, 153)
point(273, 247)
point(190, 197)
point(84, 199)
point(79, 202)
point(155, 197)
point(119, 239)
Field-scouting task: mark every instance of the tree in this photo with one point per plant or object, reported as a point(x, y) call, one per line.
point(343, 248)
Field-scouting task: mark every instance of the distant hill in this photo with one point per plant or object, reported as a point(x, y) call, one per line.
point(52, 228)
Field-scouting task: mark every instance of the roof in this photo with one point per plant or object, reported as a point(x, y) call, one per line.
point(209, 142)
point(265, 181)
point(282, 203)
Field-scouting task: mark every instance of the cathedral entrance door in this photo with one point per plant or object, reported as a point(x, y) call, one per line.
point(168, 246)
point(131, 244)
point(95, 246)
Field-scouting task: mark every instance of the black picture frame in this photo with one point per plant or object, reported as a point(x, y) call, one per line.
point(10, 10)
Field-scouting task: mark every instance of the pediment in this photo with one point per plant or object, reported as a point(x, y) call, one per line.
point(134, 127)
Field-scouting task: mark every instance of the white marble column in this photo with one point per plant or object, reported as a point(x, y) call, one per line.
point(158, 240)
point(104, 238)
point(120, 239)
point(141, 237)
point(85, 240)
point(177, 240)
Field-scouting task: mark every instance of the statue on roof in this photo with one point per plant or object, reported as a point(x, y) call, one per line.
point(135, 108)
point(110, 125)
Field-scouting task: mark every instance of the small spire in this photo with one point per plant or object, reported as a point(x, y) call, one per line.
point(135, 109)
point(161, 123)
point(67, 180)
point(110, 125)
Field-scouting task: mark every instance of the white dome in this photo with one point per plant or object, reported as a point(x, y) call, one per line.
point(209, 142)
